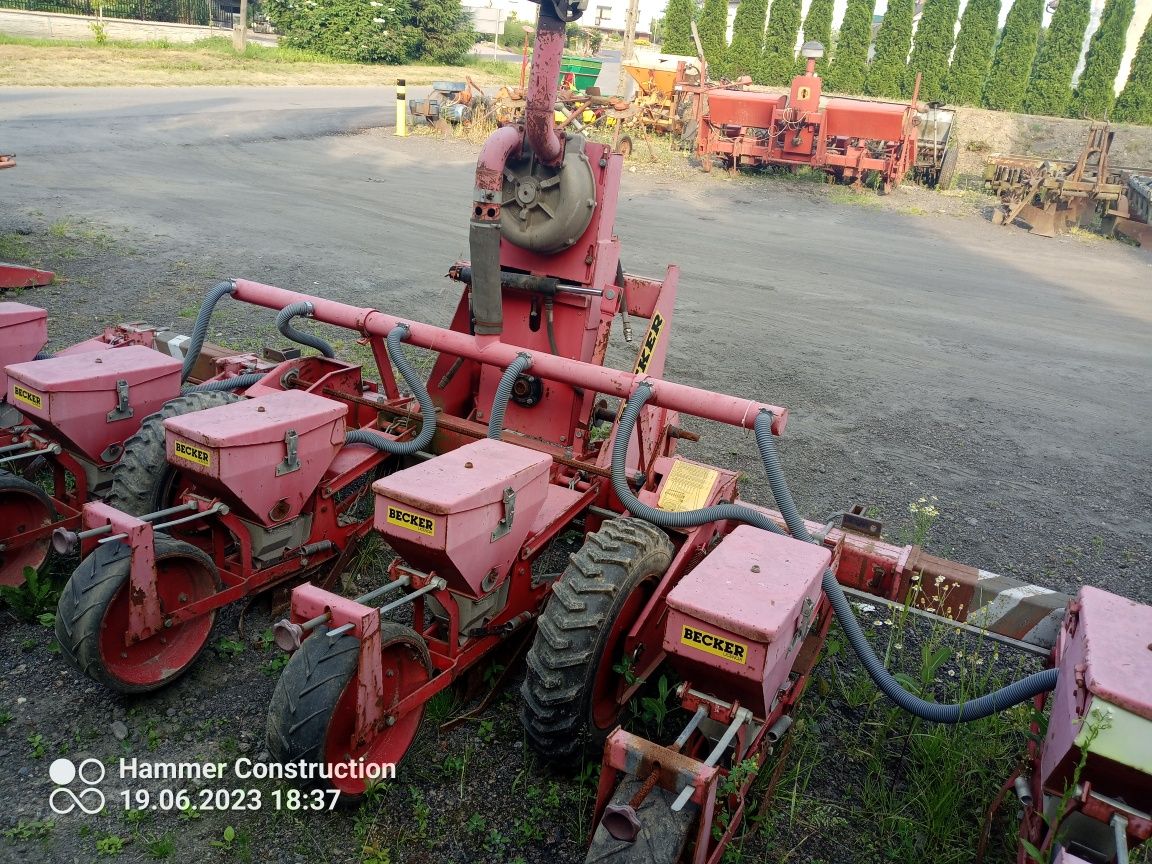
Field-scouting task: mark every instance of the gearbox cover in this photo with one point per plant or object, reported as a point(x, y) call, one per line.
point(546, 209)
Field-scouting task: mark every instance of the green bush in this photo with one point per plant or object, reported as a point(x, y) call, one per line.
point(1050, 89)
point(743, 54)
point(1008, 80)
point(1135, 102)
point(973, 55)
point(713, 27)
point(371, 31)
point(818, 28)
point(678, 28)
point(779, 55)
point(887, 74)
point(934, 38)
point(850, 63)
point(1095, 91)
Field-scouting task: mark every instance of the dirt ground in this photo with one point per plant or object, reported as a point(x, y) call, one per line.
point(922, 351)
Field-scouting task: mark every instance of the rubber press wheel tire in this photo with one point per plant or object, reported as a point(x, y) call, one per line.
point(663, 833)
point(312, 715)
point(947, 175)
point(92, 616)
point(570, 691)
point(24, 507)
point(143, 481)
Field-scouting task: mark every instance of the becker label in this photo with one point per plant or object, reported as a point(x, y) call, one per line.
point(713, 644)
point(412, 521)
point(650, 341)
point(196, 455)
point(28, 397)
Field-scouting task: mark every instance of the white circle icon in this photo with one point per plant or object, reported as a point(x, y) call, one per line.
point(98, 771)
point(62, 772)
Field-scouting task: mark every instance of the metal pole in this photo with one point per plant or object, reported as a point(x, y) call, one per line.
point(401, 108)
point(739, 720)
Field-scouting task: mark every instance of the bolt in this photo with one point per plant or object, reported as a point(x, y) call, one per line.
point(755, 568)
point(261, 409)
point(468, 465)
point(603, 162)
point(167, 622)
point(390, 673)
point(390, 721)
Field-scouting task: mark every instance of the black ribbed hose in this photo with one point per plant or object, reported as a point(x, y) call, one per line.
point(504, 393)
point(200, 328)
point(238, 382)
point(301, 309)
point(963, 712)
point(427, 410)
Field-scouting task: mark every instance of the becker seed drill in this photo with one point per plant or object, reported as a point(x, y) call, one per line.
point(518, 434)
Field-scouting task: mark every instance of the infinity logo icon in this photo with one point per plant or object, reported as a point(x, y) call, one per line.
point(89, 800)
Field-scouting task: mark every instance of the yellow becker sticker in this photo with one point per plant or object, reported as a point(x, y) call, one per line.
point(28, 397)
point(190, 453)
point(687, 486)
point(412, 521)
point(650, 340)
point(712, 644)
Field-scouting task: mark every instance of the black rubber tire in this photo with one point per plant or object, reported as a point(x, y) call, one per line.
point(9, 482)
point(85, 599)
point(143, 477)
point(624, 146)
point(947, 175)
point(663, 834)
point(309, 688)
point(573, 632)
point(688, 135)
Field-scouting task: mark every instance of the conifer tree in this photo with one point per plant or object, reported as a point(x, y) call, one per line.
point(743, 54)
point(1135, 102)
point(818, 28)
point(973, 56)
point(1095, 91)
point(713, 27)
point(935, 36)
point(779, 55)
point(887, 73)
point(1008, 81)
point(850, 64)
point(1050, 89)
point(678, 28)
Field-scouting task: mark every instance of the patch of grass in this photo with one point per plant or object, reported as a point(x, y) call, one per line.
point(36, 829)
point(13, 247)
point(71, 63)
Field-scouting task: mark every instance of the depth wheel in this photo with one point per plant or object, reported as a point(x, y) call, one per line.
point(662, 837)
point(92, 616)
point(947, 175)
point(571, 692)
point(24, 507)
point(312, 715)
point(143, 481)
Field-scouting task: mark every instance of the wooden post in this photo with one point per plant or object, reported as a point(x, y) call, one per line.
point(240, 33)
point(629, 40)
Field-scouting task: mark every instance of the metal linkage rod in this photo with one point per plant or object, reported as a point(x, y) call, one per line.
point(742, 717)
point(435, 585)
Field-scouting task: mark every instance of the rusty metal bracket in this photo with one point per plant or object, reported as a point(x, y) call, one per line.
point(505, 524)
point(291, 459)
point(123, 409)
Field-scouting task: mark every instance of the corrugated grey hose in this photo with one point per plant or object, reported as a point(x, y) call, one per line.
point(237, 383)
point(427, 410)
point(504, 393)
point(284, 325)
point(200, 328)
point(974, 709)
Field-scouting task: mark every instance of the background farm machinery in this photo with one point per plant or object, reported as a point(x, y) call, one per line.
point(1051, 196)
point(847, 138)
point(517, 434)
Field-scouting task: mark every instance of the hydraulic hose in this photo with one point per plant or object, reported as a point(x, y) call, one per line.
point(504, 393)
point(427, 410)
point(225, 384)
point(963, 712)
point(200, 328)
point(284, 325)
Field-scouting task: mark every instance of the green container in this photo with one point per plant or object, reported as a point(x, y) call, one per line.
point(585, 69)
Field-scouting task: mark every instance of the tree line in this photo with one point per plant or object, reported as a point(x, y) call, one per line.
point(1021, 67)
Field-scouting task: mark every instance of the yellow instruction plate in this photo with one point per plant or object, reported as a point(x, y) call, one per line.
point(687, 486)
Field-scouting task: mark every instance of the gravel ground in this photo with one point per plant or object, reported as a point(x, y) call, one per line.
point(922, 351)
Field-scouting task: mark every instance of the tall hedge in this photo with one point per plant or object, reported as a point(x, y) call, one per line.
point(973, 56)
point(1008, 81)
point(818, 28)
point(678, 28)
point(887, 73)
point(713, 27)
point(779, 55)
point(1095, 91)
point(743, 54)
point(935, 36)
point(368, 31)
point(1135, 102)
point(850, 63)
point(1050, 89)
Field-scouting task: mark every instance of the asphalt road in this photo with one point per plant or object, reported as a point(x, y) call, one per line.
point(1009, 375)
